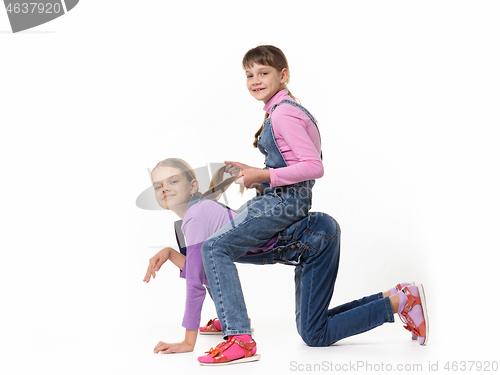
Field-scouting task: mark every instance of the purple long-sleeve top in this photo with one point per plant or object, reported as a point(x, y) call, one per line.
point(202, 220)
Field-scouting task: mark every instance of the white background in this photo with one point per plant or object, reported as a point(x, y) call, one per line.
point(407, 98)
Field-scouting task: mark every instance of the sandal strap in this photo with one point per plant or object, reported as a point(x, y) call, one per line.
point(210, 326)
point(217, 352)
point(213, 351)
point(411, 299)
point(410, 324)
point(246, 346)
point(412, 329)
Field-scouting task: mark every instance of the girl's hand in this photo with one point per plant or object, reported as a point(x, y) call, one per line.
point(233, 170)
point(180, 347)
point(156, 262)
point(250, 176)
point(187, 345)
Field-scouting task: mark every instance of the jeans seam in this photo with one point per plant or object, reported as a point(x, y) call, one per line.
point(217, 280)
point(390, 313)
point(313, 272)
point(321, 235)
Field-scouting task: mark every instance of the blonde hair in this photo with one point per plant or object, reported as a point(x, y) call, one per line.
point(217, 184)
point(270, 56)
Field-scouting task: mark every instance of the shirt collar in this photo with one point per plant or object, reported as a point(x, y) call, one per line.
point(195, 199)
point(277, 98)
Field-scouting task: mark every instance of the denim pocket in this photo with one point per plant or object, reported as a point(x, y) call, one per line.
point(292, 254)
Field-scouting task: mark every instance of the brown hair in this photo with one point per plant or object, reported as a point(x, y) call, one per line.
point(217, 184)
point(270, 56)
point(179, 164)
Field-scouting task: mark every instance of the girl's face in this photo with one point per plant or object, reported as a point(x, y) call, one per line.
point(264, 81)
point(172, 189)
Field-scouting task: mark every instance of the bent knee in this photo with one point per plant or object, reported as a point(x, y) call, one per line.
point(207, 247)
point(315, 340)
point(324, 225)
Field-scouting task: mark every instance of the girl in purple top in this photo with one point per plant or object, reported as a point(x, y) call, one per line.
point(176, 189)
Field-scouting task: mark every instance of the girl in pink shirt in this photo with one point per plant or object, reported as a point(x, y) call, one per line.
point(289, 139)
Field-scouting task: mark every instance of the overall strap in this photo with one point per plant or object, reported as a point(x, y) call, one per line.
point(303, 109)
point(179, 236)
point(296, 105)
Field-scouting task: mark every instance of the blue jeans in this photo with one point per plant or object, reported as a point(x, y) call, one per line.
point(262, 218)
point(312, 245)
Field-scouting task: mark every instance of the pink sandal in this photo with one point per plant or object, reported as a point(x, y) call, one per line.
point(218, 358)
point(415, 312)
point(213, 327)
point(399, 288)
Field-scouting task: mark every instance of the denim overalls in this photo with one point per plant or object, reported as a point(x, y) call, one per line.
point(312, 245)
point(259, 220)
point(267, 144)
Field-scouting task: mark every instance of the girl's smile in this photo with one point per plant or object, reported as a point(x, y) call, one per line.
point(263, 81)
point(172, 189)
point(165, 197)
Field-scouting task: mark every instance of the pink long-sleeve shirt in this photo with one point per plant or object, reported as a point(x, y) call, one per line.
point(298, 139)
